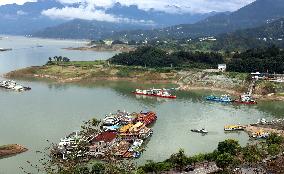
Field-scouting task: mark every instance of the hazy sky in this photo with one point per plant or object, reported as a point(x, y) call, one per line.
point(95, 9)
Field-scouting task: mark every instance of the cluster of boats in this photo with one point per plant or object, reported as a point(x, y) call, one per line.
point(12, 85)
point(243, 99)
point(122, 134)
point(163, 93)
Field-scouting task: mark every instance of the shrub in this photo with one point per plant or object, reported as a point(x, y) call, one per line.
point(229, 146)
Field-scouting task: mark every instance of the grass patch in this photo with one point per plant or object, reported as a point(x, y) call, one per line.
point(123, 73)
point(81, 63)
point(237, 75)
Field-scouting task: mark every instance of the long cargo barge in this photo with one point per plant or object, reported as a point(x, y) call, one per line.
point(155, 93)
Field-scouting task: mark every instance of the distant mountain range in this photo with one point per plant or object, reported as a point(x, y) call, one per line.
point(256, 20)
point(253, 15)
point(84, 29)
point(24, 19)
point(27, 19)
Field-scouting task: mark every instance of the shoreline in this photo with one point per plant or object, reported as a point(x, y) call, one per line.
point(75, 72)
point(114, 48)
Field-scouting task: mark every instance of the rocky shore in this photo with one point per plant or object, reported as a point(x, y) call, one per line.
point(10, 150)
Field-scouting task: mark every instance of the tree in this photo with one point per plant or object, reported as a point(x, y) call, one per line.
point(179, 159)
point(229, 146)
point(224, 160)
point(273, 149)
point(82, 170)
point(98, 168)
point(274, 139)
point(65, 59)
point(150, 167)
point(252, 154)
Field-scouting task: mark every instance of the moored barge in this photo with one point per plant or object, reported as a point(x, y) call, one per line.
point(163, 93)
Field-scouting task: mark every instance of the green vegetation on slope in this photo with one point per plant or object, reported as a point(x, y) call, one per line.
point(261, 60)
point(241, 40)
point(154, 57)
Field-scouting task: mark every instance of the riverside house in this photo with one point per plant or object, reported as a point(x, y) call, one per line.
point(102, 143)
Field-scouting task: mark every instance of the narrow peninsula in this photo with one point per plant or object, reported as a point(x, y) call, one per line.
point(11, 149)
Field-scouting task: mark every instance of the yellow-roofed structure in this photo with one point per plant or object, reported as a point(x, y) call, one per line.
point(136, 127)
point(125, 128)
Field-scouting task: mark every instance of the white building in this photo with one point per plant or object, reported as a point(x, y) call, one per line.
point(222, 67)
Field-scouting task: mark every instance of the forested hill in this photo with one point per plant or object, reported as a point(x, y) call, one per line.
point(85, 29)
point(258, 60)
point(154, 57)
point(266, 35)
point(262, 59)
point(253, 15)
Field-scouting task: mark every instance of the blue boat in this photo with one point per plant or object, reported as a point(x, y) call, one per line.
point(223, 98)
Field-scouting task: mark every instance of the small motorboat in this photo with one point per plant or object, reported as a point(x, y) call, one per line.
point(203, 131)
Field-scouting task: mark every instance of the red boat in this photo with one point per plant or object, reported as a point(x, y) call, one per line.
point(155, 93)
point(246, 102)
point(147, 117)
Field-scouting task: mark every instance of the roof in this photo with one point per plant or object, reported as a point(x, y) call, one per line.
point(125, 128)
point(232, 126)
point(135, 127)
point(105, 136)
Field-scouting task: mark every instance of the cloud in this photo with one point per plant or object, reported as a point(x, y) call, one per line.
point(96, 9)
point(19, 2)
point(21, 12)
point(89, 12)
point(171, 6)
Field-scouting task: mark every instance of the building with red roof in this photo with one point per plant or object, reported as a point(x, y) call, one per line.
point(105, 137)
point(102, 143)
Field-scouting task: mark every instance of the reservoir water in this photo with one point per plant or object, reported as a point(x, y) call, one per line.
point(50, 111)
